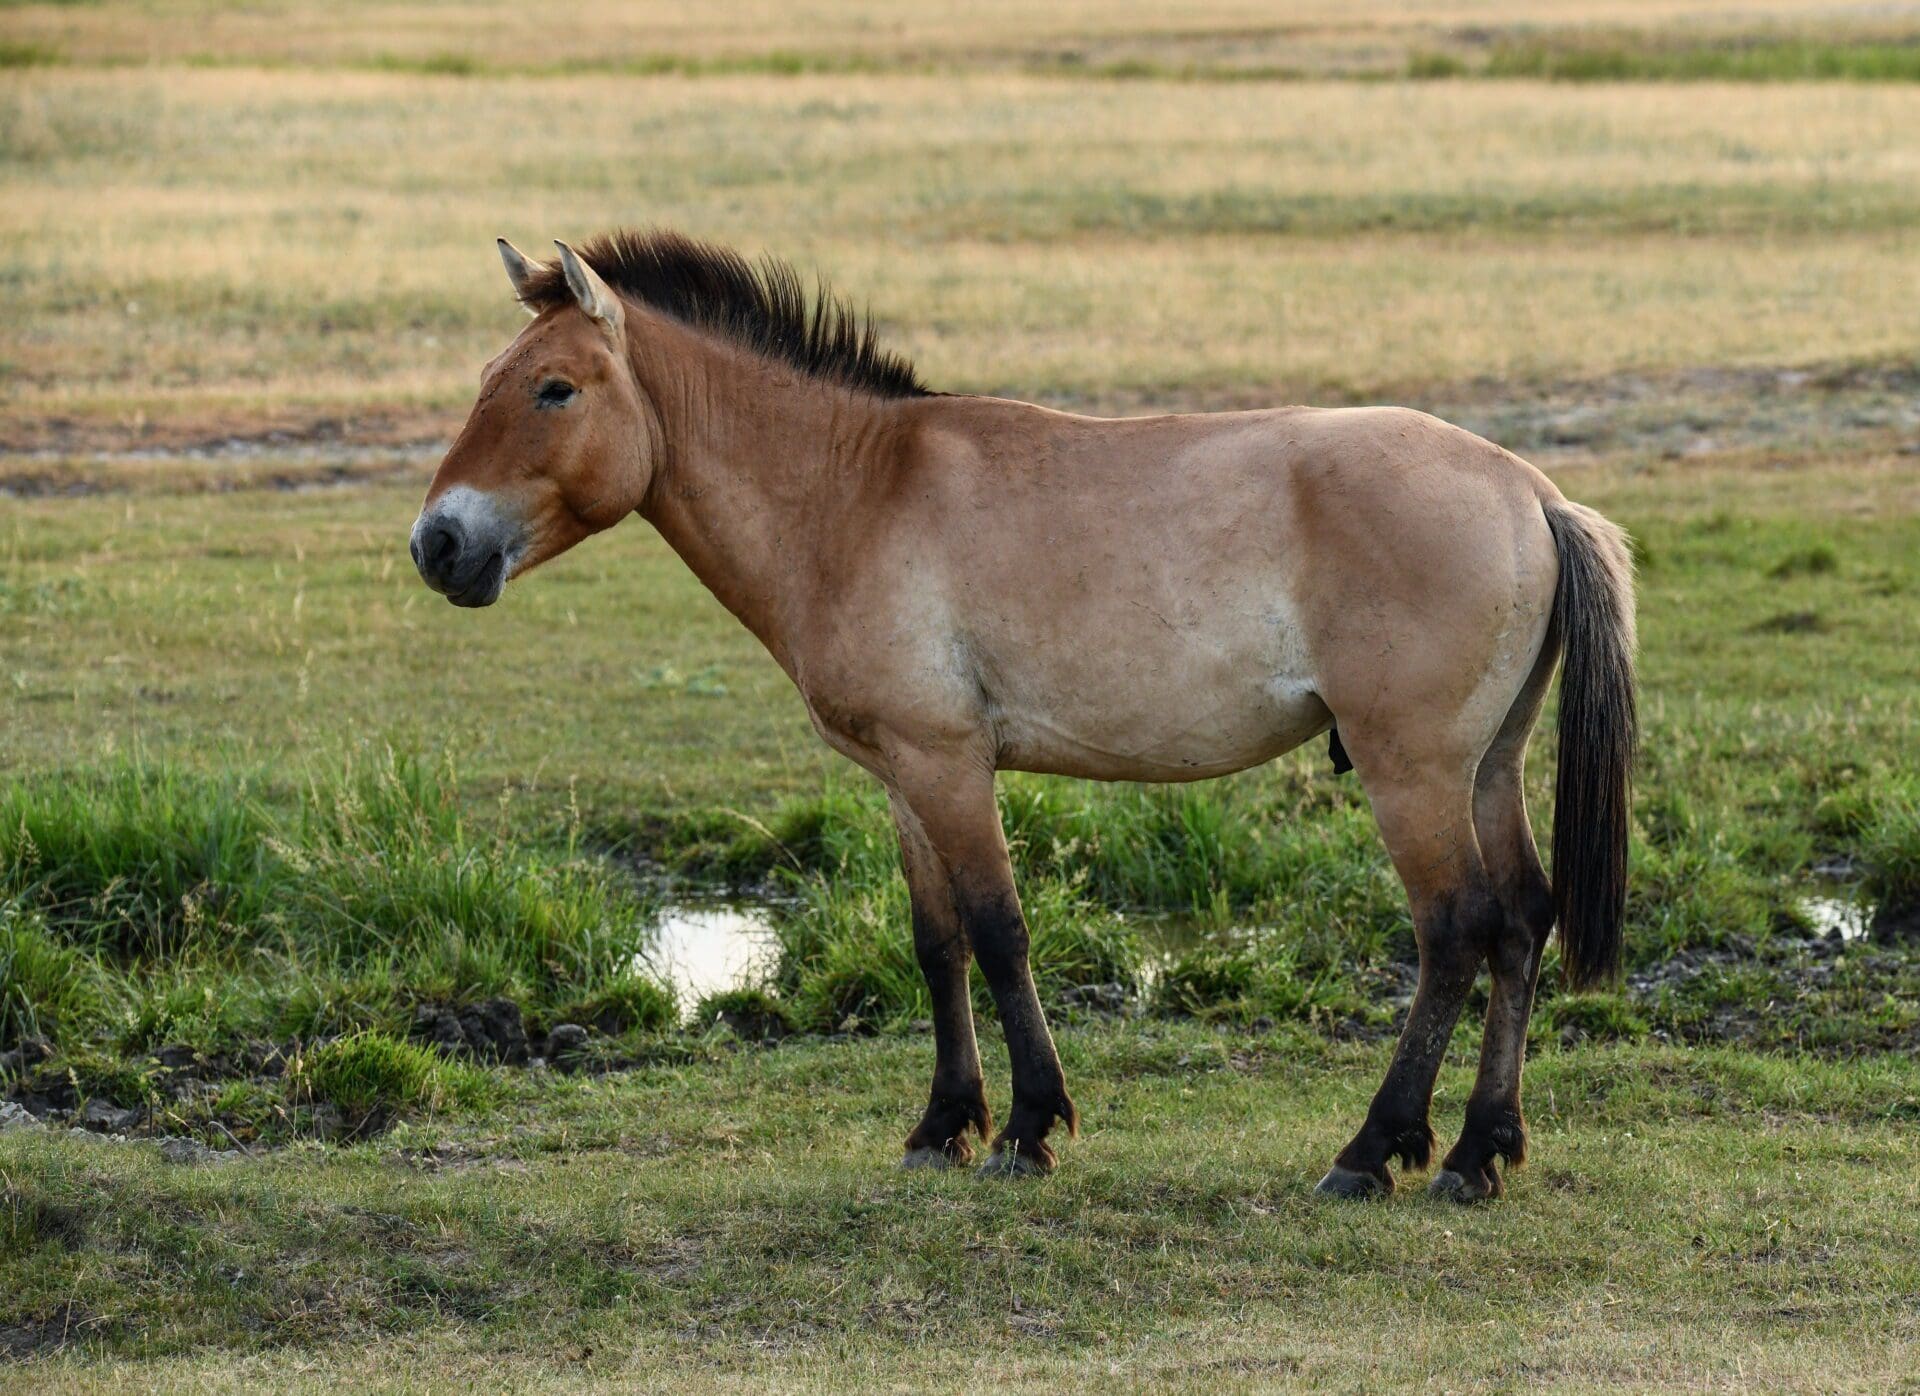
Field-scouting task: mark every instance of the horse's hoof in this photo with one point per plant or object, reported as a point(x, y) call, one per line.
point(1005, 1163)
point(916, 1159)
point(1450, 1186)
point(1344, 1182)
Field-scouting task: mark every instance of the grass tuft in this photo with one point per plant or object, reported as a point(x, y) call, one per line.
point(445, 64)
point(1600, 1017)
point(151, 906)
point(372, 1071)
point(627, 1003)
point(1890, 849)
point(1818, 560)
point(135, 858)
point(1429, 66)
point(47, 987)
point(1794, 623)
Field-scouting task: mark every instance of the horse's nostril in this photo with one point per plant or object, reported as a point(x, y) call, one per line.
point(442, 545)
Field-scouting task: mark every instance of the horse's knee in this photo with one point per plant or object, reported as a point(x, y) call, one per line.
point(998, 935)
point(1525, 923)
point(1459, 933)
point(1531, 905)
point(940, 946)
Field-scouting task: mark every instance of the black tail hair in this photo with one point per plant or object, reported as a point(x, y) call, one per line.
point(1593, 614)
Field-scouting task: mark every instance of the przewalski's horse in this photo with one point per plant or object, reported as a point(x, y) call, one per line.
point(962, 585)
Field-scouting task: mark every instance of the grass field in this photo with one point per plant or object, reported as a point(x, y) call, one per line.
point(1081, 242)
point(1698, 1219)
point(271, 814)
point(1234, 40)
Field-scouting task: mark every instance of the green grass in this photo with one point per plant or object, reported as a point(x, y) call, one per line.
point(1815, 561)
point(49, 988)
point(1261, 976)
point(844, 962)
point(739, 1223)
point(14, 54)
point(777, 63)
point(1603, 1017)
point(1890, 849)
point(370, 1071)
point(749, 1013)
point(622, 1003)
point(143, 905)
point(1639, 58)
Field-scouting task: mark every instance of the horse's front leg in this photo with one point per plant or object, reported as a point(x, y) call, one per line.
point(951, 799)
point(958, 1101)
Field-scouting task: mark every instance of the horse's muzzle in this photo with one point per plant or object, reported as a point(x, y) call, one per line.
point(465, 563)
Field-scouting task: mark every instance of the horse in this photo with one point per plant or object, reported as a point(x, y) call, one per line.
point(960, 585)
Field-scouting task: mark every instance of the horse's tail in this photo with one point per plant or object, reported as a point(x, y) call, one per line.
point(1593, 614)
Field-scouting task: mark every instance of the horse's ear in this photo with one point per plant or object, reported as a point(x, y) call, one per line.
point(520, 271)
point(593, 295)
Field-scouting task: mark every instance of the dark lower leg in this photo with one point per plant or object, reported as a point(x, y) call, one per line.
point(1495, 1128)
point(1397, 1121)
point(1453, 927)
point(998, 933)
point(958, 1101)
point(948, 796)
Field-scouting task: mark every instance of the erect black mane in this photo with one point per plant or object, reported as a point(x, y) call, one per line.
point(761, 306)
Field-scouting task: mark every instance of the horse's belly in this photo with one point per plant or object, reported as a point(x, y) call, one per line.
point(1173, 724)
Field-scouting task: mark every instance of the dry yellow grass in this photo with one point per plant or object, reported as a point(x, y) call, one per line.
point(1309, 35)
point(232, 242)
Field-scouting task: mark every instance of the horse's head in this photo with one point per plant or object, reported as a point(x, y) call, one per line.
point(558, 446)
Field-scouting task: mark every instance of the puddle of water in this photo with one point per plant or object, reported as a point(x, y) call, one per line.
point(1167, 935)
point(1830, 914)
point(701, 950)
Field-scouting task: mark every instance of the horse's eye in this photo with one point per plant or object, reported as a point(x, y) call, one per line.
point(554, 393)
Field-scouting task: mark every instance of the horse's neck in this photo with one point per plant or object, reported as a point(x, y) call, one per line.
point(754, 474)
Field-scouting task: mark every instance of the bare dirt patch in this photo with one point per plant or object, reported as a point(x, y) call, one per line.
point(213, 435)
point(1695, 413)
point(47, 1334)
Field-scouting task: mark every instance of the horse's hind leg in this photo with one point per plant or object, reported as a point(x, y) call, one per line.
point(958, 1101)
point(1495, 1128)
point(1425, 813)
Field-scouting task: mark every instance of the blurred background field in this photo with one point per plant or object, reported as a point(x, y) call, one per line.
point(212, 247)
point(272, 816)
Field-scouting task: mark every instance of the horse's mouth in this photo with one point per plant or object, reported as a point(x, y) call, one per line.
point(486, 585)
